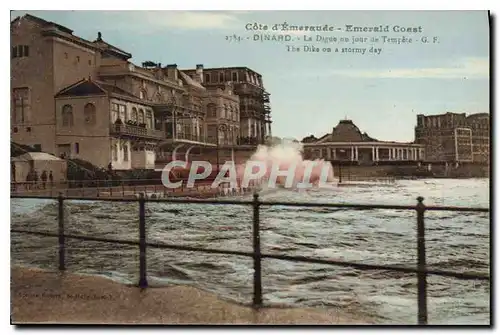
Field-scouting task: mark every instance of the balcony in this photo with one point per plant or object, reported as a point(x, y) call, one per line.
point(136, 131)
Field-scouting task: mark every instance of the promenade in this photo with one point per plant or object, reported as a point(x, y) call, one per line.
point(53, 297)
point(201, 190)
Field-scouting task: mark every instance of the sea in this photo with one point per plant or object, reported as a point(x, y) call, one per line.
point(455, 241)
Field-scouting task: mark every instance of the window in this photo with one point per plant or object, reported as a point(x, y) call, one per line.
point(149, 120)
point(65, 55)
point(207, 77)
point(118, 112)
point(223, 112)
point(114, 112)
point(89, 114)
point(15, 129)
point(211, 110)
point(122, 109)
point(78, 59)
point(125, 153)
point(20, 51)
point(77, 148)
point(21, 104)
point(134, 114)
point(235, 76)
point(141, 116)
point(90, 62)
point(221, 77)
point(67, 116)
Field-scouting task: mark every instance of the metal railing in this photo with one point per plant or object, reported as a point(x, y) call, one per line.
point(421, 270)
point(123, 188)
point(127, 129)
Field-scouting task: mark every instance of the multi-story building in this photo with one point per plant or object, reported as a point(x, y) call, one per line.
point(346, 143)
point(85, 99)
point(454, 137)
point(255, 119)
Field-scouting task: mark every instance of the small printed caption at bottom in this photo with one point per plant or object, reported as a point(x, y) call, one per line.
point(58, 296)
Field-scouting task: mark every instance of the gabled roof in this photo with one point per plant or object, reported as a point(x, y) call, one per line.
point(42, 22)
point(90, 87)
point(112, 89)
point(84, 87)
point(190, 81)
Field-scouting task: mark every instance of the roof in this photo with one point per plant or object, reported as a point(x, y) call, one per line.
point(190, 81)
point(110, 88)
point(224, 68)
point(89, 87)
point(111, 48)
point(36, 156)
point(61, 31)
point(42, 22)
point(345, 131)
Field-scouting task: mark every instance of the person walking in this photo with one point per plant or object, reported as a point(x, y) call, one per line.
point(29, 178)
point(35, 179)
point(44, 179)
point(51, 179)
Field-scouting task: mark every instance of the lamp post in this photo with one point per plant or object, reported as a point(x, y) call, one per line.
point(219, 128)
point(172, 108)
point(340, 167)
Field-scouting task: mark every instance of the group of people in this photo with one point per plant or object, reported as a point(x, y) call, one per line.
point(35, 181)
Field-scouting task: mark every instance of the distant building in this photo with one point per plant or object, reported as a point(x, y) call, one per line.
point(347, 143)
point(454, 137)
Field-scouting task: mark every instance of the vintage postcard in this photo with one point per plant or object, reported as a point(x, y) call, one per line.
point(250, 167)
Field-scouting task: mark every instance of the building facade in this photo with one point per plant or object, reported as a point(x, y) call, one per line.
point(84, 99)
point(346, 143)
point(455, 137)
point(254, 104)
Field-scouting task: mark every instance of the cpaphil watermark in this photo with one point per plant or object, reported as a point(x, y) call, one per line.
point(297, 175)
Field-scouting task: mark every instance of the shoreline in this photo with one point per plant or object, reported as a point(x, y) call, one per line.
point(42, 296)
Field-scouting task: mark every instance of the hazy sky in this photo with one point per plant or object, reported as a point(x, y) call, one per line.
point(311, 92)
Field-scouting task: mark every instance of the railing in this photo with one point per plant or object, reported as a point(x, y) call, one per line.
point(127, 129)
point(421, 270)
point(124, 188)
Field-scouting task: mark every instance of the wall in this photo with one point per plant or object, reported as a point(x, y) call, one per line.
point(144, 159)
point(72, 63)
point(36, 73)
point(223, 101)
point(92, 139)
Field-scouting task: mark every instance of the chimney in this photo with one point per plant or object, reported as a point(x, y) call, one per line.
point(172, 72)
point(199, 73)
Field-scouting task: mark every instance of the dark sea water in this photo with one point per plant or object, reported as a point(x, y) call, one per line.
point(455, 241)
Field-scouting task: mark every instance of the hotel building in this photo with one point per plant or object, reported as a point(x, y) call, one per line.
point(85, 99)
point(454, 137)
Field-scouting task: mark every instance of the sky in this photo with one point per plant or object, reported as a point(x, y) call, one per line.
point(312, 91)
